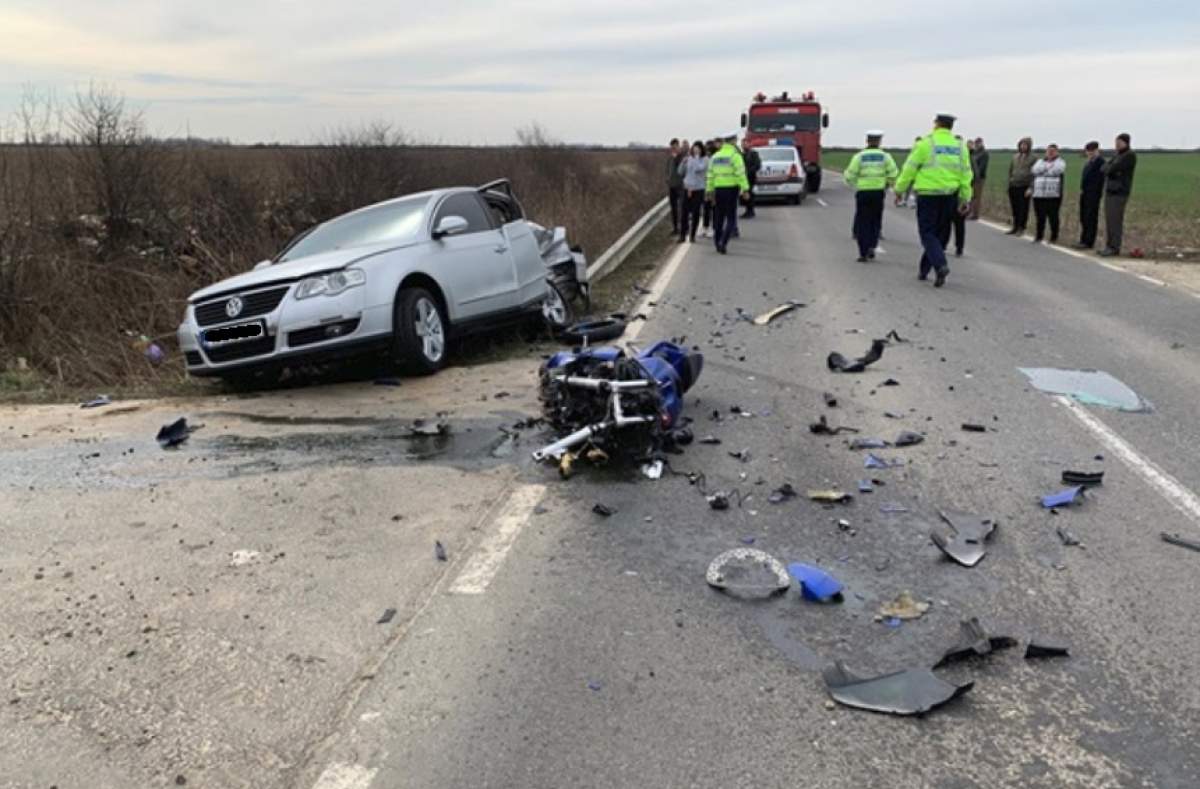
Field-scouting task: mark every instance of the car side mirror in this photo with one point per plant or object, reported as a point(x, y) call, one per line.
point(450, 226)
point(261, 264)
point(743, 120)
point(825, 121)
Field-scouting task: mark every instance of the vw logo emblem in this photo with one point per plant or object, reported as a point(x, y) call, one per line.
point(233, 307)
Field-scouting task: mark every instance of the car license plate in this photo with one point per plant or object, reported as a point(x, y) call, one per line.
point(239, 333)
point(768, 187)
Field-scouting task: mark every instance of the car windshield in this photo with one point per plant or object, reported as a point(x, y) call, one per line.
point(389, 222)
point(785, 122)
point(777, 154)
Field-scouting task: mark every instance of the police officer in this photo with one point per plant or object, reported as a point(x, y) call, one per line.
point(726, 180)
point(939, 170)
point(870, 172)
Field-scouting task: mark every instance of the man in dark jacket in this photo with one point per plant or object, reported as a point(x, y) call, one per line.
point(675, 182)
point(1091, 190)
point(979, 167)
point(753, 165)
point(1118, 184)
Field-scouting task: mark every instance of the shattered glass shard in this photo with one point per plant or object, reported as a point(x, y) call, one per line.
point(868, 443)
point(913, 691)
point(1090, 387)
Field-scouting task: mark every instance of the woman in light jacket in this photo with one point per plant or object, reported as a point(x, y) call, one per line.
point(694, 170)
point(1047, 192)
point(1020, 178)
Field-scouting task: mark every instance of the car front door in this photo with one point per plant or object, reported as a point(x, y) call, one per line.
point(477, 263)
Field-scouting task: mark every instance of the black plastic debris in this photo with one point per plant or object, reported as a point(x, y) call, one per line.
point(388, 615)
point(1182, 542)
point(974, 641)
point(748, 572)
point(894, 337)
point(830, 400)
point(840, 364)
point(682, 436)
point(1068, 538)
point(822, 428)
point(439, 551)
point(1044, 647)
point(1086, 478)
point(782, 493)
point(913, 691)
point(908, 439)
point(890, 382)
point(710, 440)
point(966, 545)
point(174, 434)
point(741, 454)
point(718, 500)
point(97, 402)
point(972, 427)
point(868, 443)
point(603, 510)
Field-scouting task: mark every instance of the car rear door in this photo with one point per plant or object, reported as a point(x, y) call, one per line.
point(477, 265)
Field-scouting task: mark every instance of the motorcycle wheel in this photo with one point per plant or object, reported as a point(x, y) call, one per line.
point(594, 331)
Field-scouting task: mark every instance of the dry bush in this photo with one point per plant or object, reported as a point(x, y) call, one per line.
point(104, 232)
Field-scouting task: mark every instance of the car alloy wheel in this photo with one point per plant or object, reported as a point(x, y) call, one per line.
point(554, 308)
point(429, 329)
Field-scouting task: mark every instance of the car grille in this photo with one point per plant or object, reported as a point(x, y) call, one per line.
point(257, 303)
point(240, 350)
point(318, 333)
point(193, 359)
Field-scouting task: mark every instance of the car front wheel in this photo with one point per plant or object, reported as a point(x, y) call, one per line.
point(419, 335)
point(556, 309)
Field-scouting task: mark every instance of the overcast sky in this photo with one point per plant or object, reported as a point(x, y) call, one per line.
point(615, 71)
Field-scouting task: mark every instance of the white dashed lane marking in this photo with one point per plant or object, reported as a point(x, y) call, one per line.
point(345, 776)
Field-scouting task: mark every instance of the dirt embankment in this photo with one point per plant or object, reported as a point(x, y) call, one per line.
point(101, 242)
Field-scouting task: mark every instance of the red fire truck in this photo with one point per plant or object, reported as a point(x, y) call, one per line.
point(783, 120)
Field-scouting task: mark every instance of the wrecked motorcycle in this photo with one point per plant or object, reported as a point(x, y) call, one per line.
point(620, 404)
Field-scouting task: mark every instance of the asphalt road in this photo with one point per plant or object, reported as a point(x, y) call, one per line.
point(598, 657)
point(211, 615)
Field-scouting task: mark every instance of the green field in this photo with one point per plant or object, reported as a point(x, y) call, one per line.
point(1163, 216)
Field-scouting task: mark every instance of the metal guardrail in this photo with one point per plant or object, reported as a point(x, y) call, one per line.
point(615, 255)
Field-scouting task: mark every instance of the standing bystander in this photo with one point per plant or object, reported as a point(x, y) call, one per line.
point(1118, 185)
point(980, 158)
point(1049, 173)
point(1020, 178)
point(1091, 192)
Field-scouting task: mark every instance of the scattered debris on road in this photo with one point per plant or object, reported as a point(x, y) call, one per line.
point(439, 551)
point(972, 427)
point(868, 443)
point(176, 433)
point(767, 317)
point(603, 510)
point(822, 428)
point(912, 691)
point(748, 564)
point(903, 607)
point(784, 492)
point(1086, 479)
point(424, 428)
point(1068, 537)
point(908, 439)
point(1090, 387)
point(830, 496)
point(974, 641)
point(97, 402)
point(1183, 542)
point(653, 469)
point(816, 584)
point(710, 439)
point(387, 616)
point(1043, 647)
point(1063, 498)
point(830, 400)
point(839, 363)
point(874, 461)
point(970, 532)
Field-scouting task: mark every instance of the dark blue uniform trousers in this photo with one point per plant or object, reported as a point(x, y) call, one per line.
point(868, 219)
point(725, 207)
point(935, 218)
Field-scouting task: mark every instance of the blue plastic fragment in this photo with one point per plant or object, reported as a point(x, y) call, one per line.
point(1063, 498)
point(865, 486)
point(892, 621)
point(815, 584)
point(595, 685)
point(874, 461)
point(748, 540)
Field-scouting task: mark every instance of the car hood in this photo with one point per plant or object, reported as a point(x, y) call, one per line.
point(296, 269)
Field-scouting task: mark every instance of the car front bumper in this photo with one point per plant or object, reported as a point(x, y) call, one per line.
point(325, 327)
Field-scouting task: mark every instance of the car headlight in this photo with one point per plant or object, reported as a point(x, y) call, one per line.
point(330, 284)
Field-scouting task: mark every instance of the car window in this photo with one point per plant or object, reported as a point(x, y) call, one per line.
point(469, 207)
point(777, 154)
point(387, 222)
point(503, 211)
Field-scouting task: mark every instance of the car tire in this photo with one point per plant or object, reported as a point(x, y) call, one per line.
point(796, 199)
point(557, 311)
point(594, 331)
point(420, 339)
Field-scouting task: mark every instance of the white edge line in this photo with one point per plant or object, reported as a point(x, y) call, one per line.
point(822, 203)
point(345, 776)
point(657, 289)
point(489, 556)
point(1171, 489)
point(1151, 280)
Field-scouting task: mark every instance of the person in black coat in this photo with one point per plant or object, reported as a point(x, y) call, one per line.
point(753, 164)
point(1118, 185)
point(1091, 191)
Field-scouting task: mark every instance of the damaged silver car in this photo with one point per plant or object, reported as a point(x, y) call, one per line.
point(404, 276)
